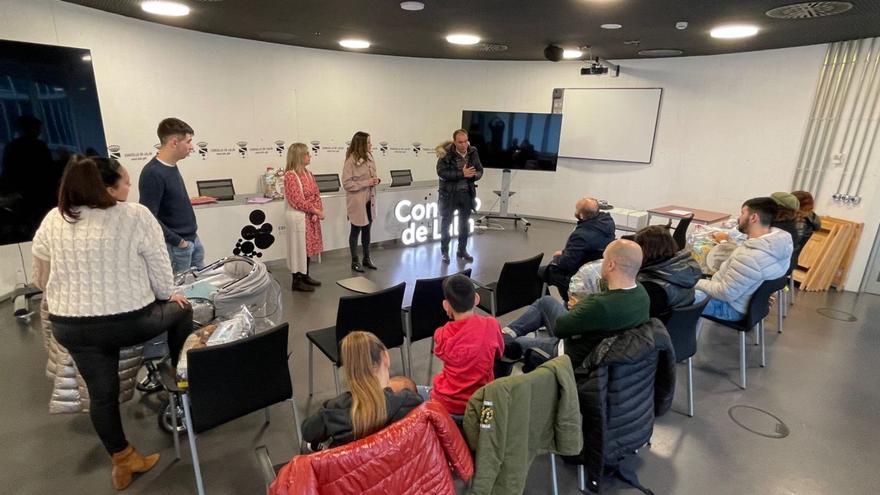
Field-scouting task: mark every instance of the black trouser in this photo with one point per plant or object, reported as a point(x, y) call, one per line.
point(463, 202)
point(94, 344)
point(364, 233)
point(553, 275)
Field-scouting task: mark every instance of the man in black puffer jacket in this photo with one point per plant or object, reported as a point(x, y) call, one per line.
point(627, 381)
point(594, 231)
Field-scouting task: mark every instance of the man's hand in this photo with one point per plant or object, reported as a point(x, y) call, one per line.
point(320, 214)
point(469, 172)
point(183, 244)
point(557, 253)
point(180, 299)
point(571, 301)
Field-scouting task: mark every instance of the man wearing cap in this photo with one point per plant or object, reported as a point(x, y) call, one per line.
point(785, 220)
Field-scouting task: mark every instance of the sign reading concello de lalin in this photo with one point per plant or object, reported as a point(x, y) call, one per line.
point(414, 216)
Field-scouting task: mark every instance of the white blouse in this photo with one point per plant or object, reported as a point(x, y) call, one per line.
point(108, 262)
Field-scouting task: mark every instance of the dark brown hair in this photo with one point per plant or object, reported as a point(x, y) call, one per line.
point(171, 127)
point(81, 185)
point(458, 290)
point(359, 148)
point(656, 243)
point(806, 201)
point(764, 207)
point(109, 170)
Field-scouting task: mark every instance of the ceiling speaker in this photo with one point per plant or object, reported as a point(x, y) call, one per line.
point(553, 53)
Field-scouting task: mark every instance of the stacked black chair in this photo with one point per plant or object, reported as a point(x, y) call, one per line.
point(379, 313)
point(517, 286)
point(228, 381)
point(758, 309)
point(682, 326)
point(425, 314)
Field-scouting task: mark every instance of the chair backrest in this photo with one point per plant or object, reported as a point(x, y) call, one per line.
point(682, 328)
point(227, 381)
point(426, 309)
point(759, 304)
point(379, 313)
point(680, 234)
point(413, 455)
point(518, 285)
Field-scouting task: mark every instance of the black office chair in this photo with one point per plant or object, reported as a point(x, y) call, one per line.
point(379, 313)
point(228, 381)
point(517, 286)
point(758, 309)
point(425, 314)
point(682, 326)
point(680, 232)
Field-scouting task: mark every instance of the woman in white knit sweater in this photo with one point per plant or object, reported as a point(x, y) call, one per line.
point(107, 278)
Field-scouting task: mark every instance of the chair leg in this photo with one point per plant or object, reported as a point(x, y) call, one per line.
point(173, 398)
point(582, 478)
point(691, 387)
point(407, 325)
point(336, 378)
point(791, 291)
point(553, 472)
point(266, 410)
point(187, 416)
point(297, 424)
point(311, 367)
point(403, 362)
point(761, 332)
point(780, 312)
point(492, 305)
point(742, 360)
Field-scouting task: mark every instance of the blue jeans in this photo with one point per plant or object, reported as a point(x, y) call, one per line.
point(193, 255)
point(718, 309)
point(542, 313)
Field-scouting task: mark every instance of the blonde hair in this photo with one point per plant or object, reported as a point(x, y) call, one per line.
point(361, 354)
point(296, 157)
point(358, 148)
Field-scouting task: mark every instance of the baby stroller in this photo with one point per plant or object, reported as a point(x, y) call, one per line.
point(218, 291)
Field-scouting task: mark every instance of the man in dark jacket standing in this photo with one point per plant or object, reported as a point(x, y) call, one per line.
point(594, 231)
point(459, 167)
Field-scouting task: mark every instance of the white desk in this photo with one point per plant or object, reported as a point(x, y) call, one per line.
point(221, 224)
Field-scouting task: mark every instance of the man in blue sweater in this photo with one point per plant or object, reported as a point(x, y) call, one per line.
point(594, 231)
point(162, 191)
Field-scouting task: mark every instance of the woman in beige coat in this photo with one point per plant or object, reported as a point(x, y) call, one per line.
point(359, 179)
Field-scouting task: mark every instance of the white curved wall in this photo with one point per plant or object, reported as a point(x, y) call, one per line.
point(730, 126)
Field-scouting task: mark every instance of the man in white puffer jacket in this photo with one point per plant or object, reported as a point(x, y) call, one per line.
point(765, 255)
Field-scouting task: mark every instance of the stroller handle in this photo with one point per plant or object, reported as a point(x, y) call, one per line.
point(196, 272)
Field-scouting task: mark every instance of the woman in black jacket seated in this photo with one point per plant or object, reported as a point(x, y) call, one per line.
point(375, 400)
point(669, 276)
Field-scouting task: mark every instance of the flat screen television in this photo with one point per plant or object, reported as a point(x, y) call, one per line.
point(48, 111)
point(514, 140)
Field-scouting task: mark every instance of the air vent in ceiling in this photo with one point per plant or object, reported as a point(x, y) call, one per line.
point(809, 10)
point(490, 47)
point(661, 52)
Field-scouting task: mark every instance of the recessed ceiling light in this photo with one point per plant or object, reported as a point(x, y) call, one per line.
point(412, 6)
point(173, 9)
point(611, 26)
point(732, 32)
point(87, 58)
point(463, 39)
point(355, 44)
point(572, 54)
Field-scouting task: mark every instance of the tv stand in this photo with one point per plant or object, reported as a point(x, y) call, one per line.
point(504, 214)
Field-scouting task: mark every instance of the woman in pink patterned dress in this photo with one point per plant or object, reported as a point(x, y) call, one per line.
point(303, 217)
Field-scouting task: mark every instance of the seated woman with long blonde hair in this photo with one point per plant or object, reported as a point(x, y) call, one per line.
point(375, 401)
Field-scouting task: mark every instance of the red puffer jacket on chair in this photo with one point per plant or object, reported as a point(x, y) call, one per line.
point(410, 456)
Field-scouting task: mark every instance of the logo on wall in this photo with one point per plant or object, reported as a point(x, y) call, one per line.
point(256, 237)
point(416, 148)
point(114, 151)
point(383, 147)
point(279, 147)
point(242, 148)
point(316, 146)
point(203, 149)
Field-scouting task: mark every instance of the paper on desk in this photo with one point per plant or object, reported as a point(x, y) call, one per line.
point(679, 212)
point(258, 200)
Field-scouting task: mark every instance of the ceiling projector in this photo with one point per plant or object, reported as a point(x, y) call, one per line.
point(600, 66)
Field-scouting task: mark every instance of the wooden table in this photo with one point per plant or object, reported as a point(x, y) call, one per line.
point(704, 217)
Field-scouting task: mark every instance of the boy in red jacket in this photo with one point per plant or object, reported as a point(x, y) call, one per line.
point(468, 346)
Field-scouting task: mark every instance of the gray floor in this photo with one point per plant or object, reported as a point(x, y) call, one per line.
point(821, 381)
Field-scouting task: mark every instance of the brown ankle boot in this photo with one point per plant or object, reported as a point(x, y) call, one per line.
point(128, 462)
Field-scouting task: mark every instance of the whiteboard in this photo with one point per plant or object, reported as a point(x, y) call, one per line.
point(615, 124)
